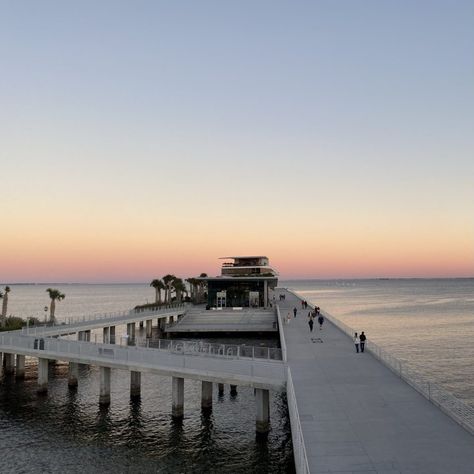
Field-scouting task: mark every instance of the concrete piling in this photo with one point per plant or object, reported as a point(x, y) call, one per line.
point(73, 375)
point(262, 399)
point(220, 389)
point(206, 395)
point(106, 335)
point(42, 375)
point(233, 390)
point(135, 383)
point(20, 366)
point(177, 410)
point(104, 397)
point(9, 363)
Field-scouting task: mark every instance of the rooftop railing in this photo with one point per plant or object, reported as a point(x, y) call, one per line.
point(459, 411)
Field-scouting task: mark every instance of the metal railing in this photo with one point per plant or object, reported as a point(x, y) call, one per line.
point(229, 351)
point(299, 449)
point(459, 411)
point(171, 358)
point(114, 317)
point(281, 334)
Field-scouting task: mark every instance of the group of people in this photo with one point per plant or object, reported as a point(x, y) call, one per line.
point(312, 315)
point(359, 341)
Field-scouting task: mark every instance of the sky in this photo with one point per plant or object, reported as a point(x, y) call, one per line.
point(140, 138)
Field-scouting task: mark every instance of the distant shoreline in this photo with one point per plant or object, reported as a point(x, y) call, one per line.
point(280, 280)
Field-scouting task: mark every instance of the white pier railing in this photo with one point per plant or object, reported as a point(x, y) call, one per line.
point(299, 448)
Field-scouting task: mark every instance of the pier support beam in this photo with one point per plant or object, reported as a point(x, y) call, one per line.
point(220, 389)
point(149, 326)
point(262, 399)
point(233, 390)
point(112, 334)
point(9, 363)
point(73, 374)
point(206, 395)
point(20, 366)
point(177, 389)
point(106, 335)
point(135, 383)
point(104, 397)
point(42, 375)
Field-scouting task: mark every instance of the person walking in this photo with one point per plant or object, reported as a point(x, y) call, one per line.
point(288, 318)
point(294, 312)
point(320, 321)
point(310, 322)
point(362, 341)
point(356, 342)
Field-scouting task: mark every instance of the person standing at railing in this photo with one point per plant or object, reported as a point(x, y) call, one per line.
point(294, 311)
point(356, 342)
point(362, 341)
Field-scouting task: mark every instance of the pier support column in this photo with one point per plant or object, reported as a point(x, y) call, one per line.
point(149, 325)
point(177, 389)
point(87, 335)
point(265, 294)
point(73, 374)
point(81, 336)
point(220, 389)
point(20, 366)
point(131, 333)
point(9, 362)
point(233, 390)
point(262, 400)
point(104, 397)
point(206, 395)
point(161, 323)
point(135, 383)
point(112, 334)
point(106, 335)
point(42, 375)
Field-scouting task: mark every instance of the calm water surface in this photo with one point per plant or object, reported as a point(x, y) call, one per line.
point(67, 431)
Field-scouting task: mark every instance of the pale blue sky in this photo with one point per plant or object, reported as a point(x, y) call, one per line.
point(349, 108)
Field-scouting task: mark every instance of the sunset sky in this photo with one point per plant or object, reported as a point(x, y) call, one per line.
point(139, 138)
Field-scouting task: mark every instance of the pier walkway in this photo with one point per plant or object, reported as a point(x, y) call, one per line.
point(356, 415)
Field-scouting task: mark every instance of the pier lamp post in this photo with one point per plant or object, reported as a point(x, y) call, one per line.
point(45, 314)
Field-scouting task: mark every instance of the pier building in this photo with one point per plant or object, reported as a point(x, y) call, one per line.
point(244, 282)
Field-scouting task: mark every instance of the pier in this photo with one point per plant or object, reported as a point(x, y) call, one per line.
point(256, 367)
point(351, 413)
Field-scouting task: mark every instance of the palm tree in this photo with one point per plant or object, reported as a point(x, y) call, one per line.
point(4, 305)
point(168, 281)
point(179, 287)
point(54, 295)
point(158, 285)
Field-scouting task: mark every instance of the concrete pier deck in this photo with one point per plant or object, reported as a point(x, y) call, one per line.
point(357, 416)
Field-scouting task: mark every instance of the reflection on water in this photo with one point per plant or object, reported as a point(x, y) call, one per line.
point(67, 430)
